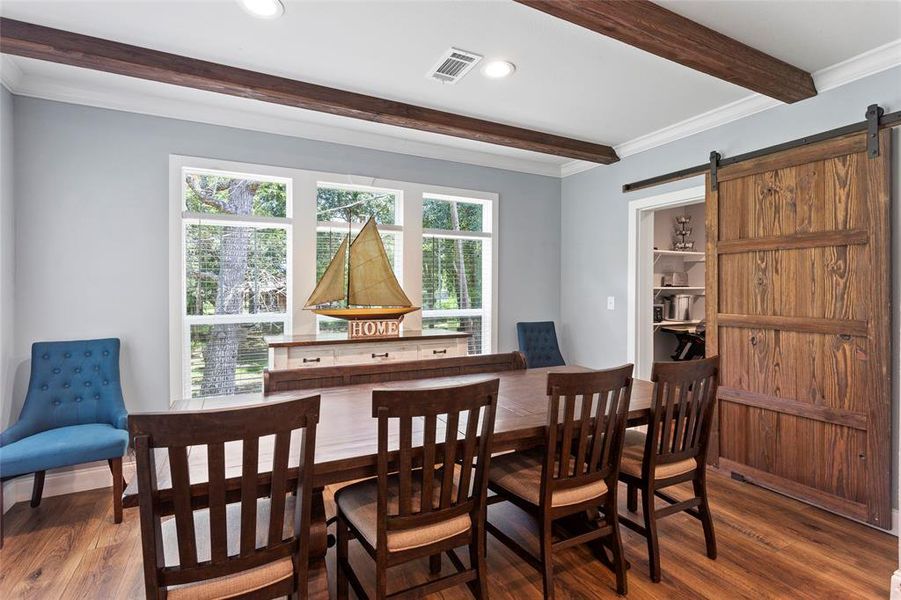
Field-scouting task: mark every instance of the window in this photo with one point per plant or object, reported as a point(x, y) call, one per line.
point(236, 244)
point(249, 243)
point(457, 267)
point(343, 210)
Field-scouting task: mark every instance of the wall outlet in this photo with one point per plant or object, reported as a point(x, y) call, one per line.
point(610, 303)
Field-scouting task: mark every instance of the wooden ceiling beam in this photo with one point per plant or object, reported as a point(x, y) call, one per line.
point(55, 45)
point(645, 25)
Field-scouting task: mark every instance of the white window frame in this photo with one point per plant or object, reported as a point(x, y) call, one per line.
point(181, 219)
point(488, 237)
point(301, 215)
point(342, 226)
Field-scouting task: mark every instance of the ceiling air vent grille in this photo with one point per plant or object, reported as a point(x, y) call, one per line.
point(453, 65)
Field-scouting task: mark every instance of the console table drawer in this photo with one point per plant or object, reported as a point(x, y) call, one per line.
point(375, 353)
point(430, 351)
point(314, 357)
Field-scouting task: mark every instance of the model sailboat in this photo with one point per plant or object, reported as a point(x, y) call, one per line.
point(359, 283)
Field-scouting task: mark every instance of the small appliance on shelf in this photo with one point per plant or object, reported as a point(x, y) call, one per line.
point(675, 279)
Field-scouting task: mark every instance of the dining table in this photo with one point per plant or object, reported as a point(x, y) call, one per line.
point(347, 433)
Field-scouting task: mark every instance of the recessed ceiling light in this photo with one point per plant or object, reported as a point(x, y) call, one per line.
point(498, 69)
point(264, 9)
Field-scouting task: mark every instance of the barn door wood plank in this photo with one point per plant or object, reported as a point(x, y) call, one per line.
point(798, 301)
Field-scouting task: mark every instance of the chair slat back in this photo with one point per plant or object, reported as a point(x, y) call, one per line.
point(176, 436)
point(586, 424)
point(681, 409)
point(437, 414)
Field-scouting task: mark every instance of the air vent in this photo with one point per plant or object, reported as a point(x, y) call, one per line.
point(453, 65)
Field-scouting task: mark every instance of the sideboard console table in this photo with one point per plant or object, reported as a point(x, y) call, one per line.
point(328, 349)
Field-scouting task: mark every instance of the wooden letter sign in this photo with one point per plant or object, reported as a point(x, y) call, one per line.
point(374, 328)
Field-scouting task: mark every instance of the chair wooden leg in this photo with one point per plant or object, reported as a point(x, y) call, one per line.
point(1, 513)
point(341, 562)
point(381, 577)
point(38, 489)
point(650, 525)
point(479, 587)
point(700, 488)
point(435, 564)
point(547, 557)
point(616, 548)
point(631, 497)
point(115, 467)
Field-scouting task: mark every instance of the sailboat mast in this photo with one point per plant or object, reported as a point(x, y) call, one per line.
point(347, 258)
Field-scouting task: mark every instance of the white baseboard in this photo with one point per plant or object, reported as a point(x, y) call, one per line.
point(896, 585)
point(90, 477)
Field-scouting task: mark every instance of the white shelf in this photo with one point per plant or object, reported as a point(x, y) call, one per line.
point(669, 323)
point(659, 289)
point(684, 255)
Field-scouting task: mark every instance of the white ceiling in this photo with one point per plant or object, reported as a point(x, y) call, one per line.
point(569, 81)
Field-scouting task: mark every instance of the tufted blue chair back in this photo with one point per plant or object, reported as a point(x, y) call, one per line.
point(73, 383)
point(538, 341)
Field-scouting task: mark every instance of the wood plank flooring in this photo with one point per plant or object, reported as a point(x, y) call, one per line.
point(769, 547)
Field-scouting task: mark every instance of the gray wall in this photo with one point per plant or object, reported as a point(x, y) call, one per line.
point(7, 254)
point(595, 222)
point(92, 225)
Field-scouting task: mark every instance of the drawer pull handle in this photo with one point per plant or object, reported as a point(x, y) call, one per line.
point(439, 351)
point(311, 360)
point(374, 355)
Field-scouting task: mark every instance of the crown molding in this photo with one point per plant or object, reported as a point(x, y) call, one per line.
point(863, 65)
point(21, 83)
point(252, 116)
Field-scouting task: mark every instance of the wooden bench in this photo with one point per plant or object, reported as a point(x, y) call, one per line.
point(305, 378)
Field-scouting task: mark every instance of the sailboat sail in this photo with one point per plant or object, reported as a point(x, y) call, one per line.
point(331, 286)
point(372, 282)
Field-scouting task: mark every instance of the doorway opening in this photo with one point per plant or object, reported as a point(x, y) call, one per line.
point(665, 276)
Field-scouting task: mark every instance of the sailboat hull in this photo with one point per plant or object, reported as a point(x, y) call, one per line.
point(366, 313)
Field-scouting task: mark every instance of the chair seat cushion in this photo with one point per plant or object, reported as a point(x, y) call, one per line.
point(236, 584)
point(520, 474)
point(358, 503)
point(62, 447)
point(633, 455)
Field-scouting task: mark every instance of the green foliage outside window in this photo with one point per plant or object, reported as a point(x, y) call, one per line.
point(438, 214)
point(354, 206)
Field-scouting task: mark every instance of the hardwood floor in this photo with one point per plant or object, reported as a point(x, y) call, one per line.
point(769, 547)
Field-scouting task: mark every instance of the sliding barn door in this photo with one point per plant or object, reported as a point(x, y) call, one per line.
point(798, 309)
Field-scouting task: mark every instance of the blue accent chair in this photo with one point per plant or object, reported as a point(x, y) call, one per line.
point(73, 414)
point(538, 341)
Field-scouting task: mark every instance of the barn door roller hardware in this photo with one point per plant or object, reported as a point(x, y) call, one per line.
point(876, 119)
point(874, 113)
point(714, 165)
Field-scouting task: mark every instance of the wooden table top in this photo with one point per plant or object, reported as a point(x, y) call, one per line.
point(346, 438)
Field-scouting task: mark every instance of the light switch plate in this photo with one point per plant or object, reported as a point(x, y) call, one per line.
point(610, 303)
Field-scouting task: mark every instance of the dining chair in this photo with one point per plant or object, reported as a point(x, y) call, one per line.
point(415, 508)
point(74, 413)
point(673, 451)
point(576, 472)
point(538, 341)
point(225, 541)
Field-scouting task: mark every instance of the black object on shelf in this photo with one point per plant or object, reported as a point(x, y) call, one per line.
point(691, 344)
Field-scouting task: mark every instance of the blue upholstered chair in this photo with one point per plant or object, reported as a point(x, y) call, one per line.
point(538, 341)
point(73, 414)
